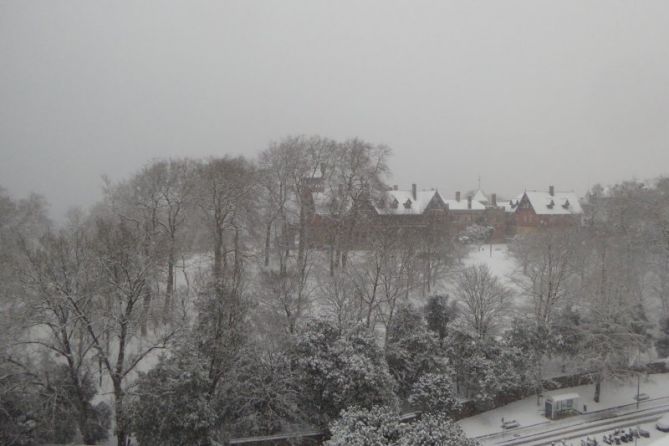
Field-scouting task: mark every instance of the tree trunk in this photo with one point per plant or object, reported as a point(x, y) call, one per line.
point(598, 388)
point(169, 289)
point(121, 429)
point(301, 247)
point(332, 260)
point(268, 238)
point(146, 307)
point(82, 403)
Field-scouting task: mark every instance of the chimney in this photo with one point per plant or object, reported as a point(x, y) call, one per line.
point(457, 196)
point(551, 190)
point(414, 191)
point(394, 186)
point(493, 200)
point(469, 202)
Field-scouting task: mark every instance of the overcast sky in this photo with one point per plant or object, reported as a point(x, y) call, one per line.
point(523, 93)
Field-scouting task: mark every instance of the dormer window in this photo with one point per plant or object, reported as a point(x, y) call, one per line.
point(566, 204)
point(394, 203)
point(550, 205)
point(407, 204)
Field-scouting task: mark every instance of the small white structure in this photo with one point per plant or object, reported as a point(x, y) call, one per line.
point(558, 406)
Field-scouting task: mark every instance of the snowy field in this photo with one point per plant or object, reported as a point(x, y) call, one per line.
point(497, 258)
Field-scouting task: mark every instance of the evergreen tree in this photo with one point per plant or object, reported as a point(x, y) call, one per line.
point(439, 313)
point(338, 368)
point(172, 404)
point(433, 393)
point(662, 342)
point(411, 349)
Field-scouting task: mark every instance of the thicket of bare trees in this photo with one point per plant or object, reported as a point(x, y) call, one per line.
point(590, 289)
point(218, 251)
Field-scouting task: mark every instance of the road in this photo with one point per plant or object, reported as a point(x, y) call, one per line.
point(580, 426)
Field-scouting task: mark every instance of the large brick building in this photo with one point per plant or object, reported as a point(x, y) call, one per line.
point(420, 210)
point(538, 209)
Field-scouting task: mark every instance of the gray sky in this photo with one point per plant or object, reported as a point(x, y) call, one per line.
point(523, 93)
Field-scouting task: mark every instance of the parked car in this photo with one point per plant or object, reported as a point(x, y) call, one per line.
point(663, 423)
point(510, 424)
point(641, 397)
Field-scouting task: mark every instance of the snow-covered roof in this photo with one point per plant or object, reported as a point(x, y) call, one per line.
point(564, 397)
point(402, 202)
point(560, 203)
point(481, 197)
point(506, 205)
point(510, 205)
point(462, 205)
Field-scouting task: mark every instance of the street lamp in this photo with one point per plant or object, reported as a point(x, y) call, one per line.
point(638, 378)
point(638, 388)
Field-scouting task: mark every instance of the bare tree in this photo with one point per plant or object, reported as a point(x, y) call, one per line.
point(547, 256)
point(57, 274)
point(112, 319)
point(615, 331)
point(337, 291)
point(226, 197)
point(292, 177)
point(159, 200)
point(357, 172)
point(484, 299)
point(286, 294)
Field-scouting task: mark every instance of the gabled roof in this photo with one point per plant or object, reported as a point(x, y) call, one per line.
point(416, 206)
point(560, 203)
point(481, 197)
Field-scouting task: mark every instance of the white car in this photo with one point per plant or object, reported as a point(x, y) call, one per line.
point(663, 423)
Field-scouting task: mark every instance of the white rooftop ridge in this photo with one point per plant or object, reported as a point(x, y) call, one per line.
point(415, 206)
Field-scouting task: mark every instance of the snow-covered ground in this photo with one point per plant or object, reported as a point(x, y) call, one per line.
point(528, 414)
point(496, 257)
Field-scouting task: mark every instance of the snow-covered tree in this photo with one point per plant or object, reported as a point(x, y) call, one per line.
point(411, 349)
point(357, 426)
point(261, 395)
point(534, 343)
point(171, 404)
point(662, 342)
point(434, 430)
point(338, 368)
point(486, 369)
point(484, 299)
point(434, 393)
point(380, 426)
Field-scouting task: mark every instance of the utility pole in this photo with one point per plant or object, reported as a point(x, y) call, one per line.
point(638, 378)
